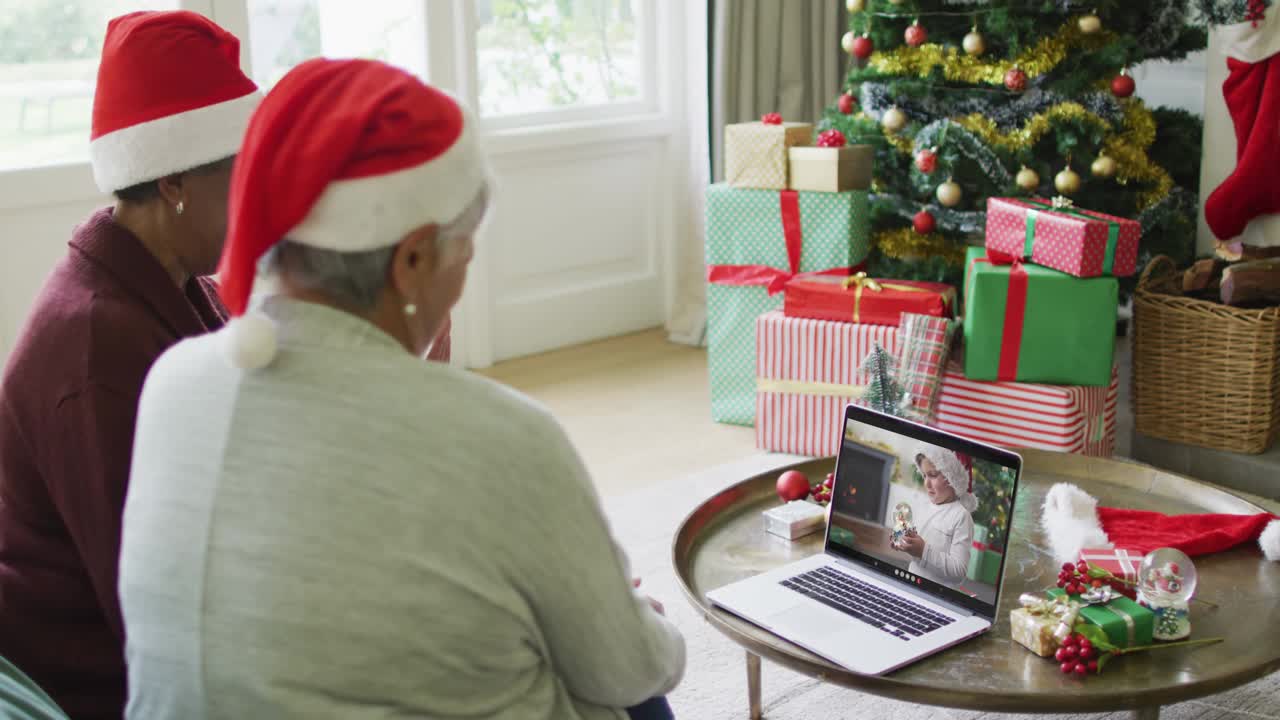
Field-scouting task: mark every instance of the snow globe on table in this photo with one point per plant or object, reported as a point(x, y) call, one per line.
point(1166, 584)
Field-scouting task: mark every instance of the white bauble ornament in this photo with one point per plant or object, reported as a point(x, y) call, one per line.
point(1089, 24)
point(949, 193)
point(855, 6)
point(846, 42)
point(974, 44)
point(894, 120)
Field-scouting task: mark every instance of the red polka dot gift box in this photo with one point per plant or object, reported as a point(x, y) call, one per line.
point(1076, 241)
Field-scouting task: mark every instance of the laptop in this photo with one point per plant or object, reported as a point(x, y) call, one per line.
point(867, 603)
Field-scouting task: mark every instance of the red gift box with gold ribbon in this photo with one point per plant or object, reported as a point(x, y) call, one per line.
point(861, 299)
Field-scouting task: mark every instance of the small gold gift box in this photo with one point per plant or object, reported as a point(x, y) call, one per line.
point(1034, 632)
point(755, 153)
point(831, 169)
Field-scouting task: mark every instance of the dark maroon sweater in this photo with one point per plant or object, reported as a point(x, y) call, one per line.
point(68, 399)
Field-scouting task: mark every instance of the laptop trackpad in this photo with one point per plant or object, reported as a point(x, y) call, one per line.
point(799, 621)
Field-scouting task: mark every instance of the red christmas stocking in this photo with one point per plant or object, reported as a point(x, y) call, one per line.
point(1252, 92)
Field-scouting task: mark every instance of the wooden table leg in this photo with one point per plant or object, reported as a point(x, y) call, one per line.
point(753, 686)
point(1151, 713)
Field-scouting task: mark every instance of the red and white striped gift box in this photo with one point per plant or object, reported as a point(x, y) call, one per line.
point(1066, 418)
point(806, 373)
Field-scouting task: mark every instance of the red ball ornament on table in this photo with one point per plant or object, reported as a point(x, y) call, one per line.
point(927, 161)
point(915, 34)
point(792, 485)
point(923, 222)
point(1122, 85)
point(863, 47)
point(846, 104)
point(1015, 79)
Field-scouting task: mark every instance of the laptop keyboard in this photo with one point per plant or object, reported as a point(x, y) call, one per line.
point(895, 615)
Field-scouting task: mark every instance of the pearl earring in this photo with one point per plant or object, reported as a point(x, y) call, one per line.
point(178, 208)
point(410, 309)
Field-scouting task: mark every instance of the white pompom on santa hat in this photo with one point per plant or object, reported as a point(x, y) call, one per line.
point(1073, 521)
point(170, 97)
point(344, 155)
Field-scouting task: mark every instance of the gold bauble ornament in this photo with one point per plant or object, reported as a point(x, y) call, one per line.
point(974, 44)
point(1089, 24)
point(895, 2)
point(894, 120)
point(1104, 166)
point(846, 42)
point(949, 193)
point(1067, 181)
point(855, 6)
point(1027, 178)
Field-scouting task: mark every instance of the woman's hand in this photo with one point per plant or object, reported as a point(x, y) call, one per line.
point(913, 544)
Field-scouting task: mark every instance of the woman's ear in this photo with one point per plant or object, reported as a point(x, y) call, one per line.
point(171, 190)
point(413, 261)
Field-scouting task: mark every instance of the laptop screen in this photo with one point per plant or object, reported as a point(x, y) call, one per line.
point(924, 507)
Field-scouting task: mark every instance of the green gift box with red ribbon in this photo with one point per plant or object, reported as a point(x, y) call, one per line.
point(1054, 234)
point(757, 240)
point(1028, 323)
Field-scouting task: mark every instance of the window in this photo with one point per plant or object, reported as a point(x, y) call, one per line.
point(283, 33)
point(534, 56)
point(49, 53)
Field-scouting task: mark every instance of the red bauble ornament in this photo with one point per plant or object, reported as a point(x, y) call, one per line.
point(923, 222)
point(831, 138)
point(1015, 79)
point(927, 161)
point(846, 104)
point(916, 35)
point(771, 119)
point(793, 485)
point(1122, 85)
point(863, 47)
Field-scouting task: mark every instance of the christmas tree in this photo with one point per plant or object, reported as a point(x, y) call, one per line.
point(963, 101)
point(883, 392)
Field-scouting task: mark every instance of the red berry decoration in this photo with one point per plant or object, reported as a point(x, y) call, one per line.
point(831, 138)
point(863, 47)
point(923, 222)
point(1086, 653)
point(1092, 666)
point(831, 478)
point(771, 119)
point(1068, 567)
point(1081, 668)
point(846, 104)
point(1067, 668)
point(1016, 80)
point(1122, 85)
point(927, 161)
point(1061, 655)
point(916, 35)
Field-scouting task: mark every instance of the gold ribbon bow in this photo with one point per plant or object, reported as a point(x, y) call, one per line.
point(1063, 202)
point(860, 280)
point(1066, 610)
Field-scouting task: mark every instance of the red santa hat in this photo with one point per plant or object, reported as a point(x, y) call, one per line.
point(1073, 521)
point(957, 468)
point(345, 155)
point(170, 97)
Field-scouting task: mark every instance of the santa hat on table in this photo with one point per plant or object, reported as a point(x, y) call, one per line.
point(344, 155)
point(170, 97)
point(1073, 521)
point(957, 468)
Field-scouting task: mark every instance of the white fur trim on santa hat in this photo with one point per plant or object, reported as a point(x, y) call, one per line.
point(250, 340)
point(1070, 522)
point(171, 144)
point(378, 211)
point(1243, 41)
point(1269, 541)
point(952, 469)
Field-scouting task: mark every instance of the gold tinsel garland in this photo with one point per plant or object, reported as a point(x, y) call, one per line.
point(1033, 129)
point(958, 66)
point(906, 243)
point(1129, 149)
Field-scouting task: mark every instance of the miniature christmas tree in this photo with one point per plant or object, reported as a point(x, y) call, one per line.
point(883, 392)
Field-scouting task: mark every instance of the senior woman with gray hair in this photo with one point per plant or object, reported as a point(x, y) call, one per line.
point(319, 524)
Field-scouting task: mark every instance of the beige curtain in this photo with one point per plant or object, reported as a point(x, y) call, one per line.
point(766, 56)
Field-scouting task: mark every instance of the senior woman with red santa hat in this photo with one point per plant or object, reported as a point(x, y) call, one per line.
point(321, 525)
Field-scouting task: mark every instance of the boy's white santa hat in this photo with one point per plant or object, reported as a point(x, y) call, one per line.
point(955, 468)
point(344, 155)
point(170, 97)
point(1073, 521)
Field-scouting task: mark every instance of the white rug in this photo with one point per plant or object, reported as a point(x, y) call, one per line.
point(715, 685)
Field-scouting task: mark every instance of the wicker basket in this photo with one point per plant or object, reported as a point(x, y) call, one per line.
point(1203, 373)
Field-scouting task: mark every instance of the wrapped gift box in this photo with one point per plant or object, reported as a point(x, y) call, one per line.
point(808, 373)
point(830, 169)
point(984, 564)
point(1034, 324)
point(755, 241)
point(1064, 418)
point(1126, 623)
point(1076, 241)
point(755, 153)
point(1122, 563)
point(1033, 631)
point(859, 299)
point(925, 343)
